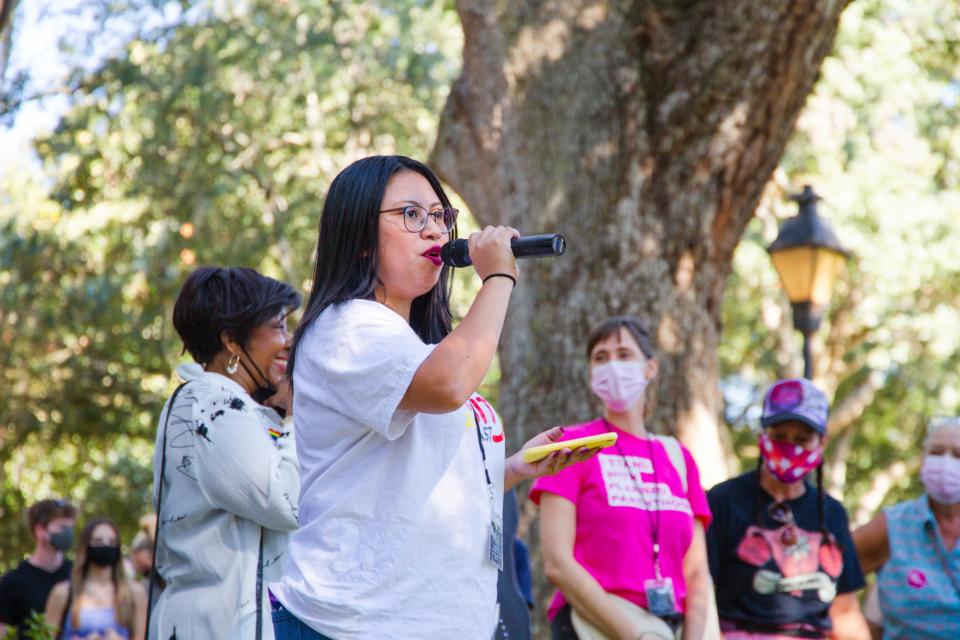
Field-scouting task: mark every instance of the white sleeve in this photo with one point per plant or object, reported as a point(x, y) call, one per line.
point(360, 361)
point(239, 467)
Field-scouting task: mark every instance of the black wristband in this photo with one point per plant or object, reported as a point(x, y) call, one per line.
point(501, 275)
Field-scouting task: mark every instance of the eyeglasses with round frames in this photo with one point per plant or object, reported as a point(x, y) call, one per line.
point(415, 217)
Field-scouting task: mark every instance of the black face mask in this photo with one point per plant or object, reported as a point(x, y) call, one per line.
point(103, 555)
point(62, 540)
point(264, 390)
point(260, 394)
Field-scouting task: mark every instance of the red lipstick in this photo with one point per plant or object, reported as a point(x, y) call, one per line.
point(433, 255)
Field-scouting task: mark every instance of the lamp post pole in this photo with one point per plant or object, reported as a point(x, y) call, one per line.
point(807, 356)
point(806, 320)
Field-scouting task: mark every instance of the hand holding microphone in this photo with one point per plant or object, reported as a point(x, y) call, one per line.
point(488, 251)
point(458, 253)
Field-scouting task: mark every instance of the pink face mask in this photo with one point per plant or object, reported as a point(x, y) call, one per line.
point(619, 384)
point(789, 462)
point(941, 476)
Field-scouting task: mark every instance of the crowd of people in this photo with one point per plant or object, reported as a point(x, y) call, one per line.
point(348, 480)
point(101, 595)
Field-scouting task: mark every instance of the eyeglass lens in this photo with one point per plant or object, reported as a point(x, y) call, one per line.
point(415, 218)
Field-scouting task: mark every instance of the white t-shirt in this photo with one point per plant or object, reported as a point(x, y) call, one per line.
point(394, 506)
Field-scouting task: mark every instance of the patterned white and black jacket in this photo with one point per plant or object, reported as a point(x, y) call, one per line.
point(231, 476)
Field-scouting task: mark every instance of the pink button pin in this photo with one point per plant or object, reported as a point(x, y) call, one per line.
point(916, 579)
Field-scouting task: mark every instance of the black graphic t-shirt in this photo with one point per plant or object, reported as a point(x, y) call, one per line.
point(778, 577)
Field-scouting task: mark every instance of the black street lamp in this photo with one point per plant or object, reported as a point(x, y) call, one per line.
point(808, 258)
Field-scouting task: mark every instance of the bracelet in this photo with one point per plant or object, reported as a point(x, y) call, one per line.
point(501, 275)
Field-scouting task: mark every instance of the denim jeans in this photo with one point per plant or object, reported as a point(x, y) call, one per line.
point(287, 626)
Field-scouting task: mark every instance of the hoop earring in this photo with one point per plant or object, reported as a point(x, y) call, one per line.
point(233, 363)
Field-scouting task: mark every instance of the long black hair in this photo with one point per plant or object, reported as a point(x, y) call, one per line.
point(347, 263)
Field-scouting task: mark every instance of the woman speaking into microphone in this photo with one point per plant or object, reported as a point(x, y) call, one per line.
point(402, 462)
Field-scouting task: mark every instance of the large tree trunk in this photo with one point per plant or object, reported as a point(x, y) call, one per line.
point(644, 132)
point(7, 9)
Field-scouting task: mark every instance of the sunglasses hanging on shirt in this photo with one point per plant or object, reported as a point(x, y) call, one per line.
point(781, 513)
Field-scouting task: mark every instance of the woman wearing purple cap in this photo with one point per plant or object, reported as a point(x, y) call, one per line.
point(780, 551)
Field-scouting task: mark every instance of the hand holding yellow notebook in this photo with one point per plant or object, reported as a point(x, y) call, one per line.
point(599, 441)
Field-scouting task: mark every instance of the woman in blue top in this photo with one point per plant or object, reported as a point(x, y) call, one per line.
point(99, 601)
point(913, 546)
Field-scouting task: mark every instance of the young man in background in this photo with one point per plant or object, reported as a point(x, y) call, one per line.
point(24, 590)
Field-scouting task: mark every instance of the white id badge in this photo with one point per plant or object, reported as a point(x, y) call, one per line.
point(495, 553)
point(661, 599)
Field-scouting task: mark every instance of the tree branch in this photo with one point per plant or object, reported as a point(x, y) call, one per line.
point(883, 481)
point(849, 410)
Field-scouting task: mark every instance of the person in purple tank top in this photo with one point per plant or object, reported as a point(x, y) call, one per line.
point(913, 546)
point(100, 600)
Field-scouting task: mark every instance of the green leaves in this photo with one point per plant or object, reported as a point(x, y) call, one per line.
point(887, 348)
point(211, 137)
point(209, 142)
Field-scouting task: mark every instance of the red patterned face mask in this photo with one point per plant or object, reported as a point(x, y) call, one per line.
point(789, 462)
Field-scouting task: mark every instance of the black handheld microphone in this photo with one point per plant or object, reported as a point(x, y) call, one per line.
point(456, 253)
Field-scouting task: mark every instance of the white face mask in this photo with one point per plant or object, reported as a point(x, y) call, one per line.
point(941, 476)
point(619, 384)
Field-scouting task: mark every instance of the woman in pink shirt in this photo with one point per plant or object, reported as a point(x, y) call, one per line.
point(622, 534)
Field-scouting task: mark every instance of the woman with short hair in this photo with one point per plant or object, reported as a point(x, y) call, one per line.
point(913, 546)
point(622, 535)
point(226, 479)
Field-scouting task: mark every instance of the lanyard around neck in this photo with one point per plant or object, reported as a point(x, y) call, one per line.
point(483, 456)
point(655, 517)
